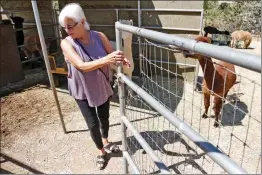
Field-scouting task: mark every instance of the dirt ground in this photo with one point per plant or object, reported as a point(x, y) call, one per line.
point(32, 139)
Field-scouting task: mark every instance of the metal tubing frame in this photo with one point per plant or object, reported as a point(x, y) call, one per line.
point(127, 9)
point(48, 68)
point(56, 27)
point(213, 152)
point(173, 10)
point(131, 163)
point(121, 90)
point(170, 62)
point(245, 60)
point(171, 28)
point(32, 59)
point(151, 27)
point(162, 167)
point(139, 37)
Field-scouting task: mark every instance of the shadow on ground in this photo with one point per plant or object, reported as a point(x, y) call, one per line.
point(7, 158)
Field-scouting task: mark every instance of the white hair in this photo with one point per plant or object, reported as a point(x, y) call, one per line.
point(75, 12)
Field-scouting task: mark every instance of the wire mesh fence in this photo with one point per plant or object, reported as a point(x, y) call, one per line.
point(238, 133)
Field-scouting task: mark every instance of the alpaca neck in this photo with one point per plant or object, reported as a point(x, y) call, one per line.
point(208, 70)
point(128, 47)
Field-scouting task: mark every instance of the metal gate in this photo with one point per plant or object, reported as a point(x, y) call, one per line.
point(162, 128)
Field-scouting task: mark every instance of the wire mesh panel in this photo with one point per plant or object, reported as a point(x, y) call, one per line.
point(237, 132)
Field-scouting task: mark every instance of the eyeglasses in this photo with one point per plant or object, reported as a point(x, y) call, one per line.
point(70, 27)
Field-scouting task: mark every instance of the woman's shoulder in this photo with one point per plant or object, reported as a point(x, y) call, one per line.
point(68, 40)
point(67, 43)
point(100, 34)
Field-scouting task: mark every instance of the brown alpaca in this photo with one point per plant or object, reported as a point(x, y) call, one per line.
point(241, 36)
point(222, 78)
point(31, 47)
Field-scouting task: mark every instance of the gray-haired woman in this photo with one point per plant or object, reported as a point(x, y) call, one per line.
point(89, 54)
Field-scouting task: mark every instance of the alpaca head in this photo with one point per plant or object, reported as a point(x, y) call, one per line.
point(203, 39)
point(18, 21)
point(195, 55)
point(227, 32)
point(125, 34)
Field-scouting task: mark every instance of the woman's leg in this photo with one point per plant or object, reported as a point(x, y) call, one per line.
point(103, 114)
point(92, 121)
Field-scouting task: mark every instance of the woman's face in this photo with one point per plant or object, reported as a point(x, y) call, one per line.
point(72, 28)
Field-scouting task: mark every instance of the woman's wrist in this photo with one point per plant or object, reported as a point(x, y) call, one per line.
point(105, 60)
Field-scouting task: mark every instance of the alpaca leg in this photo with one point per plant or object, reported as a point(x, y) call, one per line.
point(231, 43)
point(40, 52)
point(247, 43)
point(27, 53)
point(34, 61)
point(29, 56)
point(217, 109)
point(206, 103)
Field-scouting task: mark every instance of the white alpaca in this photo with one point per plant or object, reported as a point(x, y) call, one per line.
point(127, 49)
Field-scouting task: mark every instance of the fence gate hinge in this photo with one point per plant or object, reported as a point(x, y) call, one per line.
point(117, 81)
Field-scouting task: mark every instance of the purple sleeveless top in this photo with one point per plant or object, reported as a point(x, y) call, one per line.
point(92, 86)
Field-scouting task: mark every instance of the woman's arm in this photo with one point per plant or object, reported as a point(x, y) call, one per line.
point(106, 43)
point(71, 55)
point(109, 49)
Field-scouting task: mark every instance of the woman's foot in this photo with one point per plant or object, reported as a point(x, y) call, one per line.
point(111, 148)
point(101, 159)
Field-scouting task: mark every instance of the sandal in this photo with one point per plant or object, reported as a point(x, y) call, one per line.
point(101, 161)
point(111, 148)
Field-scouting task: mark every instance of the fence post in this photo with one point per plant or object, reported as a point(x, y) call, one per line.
point(48, 68)
point(121, 93)
point(139, 38)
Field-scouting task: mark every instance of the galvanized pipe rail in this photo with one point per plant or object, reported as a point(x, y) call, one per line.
point(131, 162)
point(245, 60)
point(251, 62)
point(162, 167)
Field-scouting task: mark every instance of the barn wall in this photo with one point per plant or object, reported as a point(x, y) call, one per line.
point(10, 64)
point(160, 19)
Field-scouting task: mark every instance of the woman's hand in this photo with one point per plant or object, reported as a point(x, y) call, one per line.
point(115, 57)
point(127, 62)
point(109, 50)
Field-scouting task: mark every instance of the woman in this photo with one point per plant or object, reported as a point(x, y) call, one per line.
point(88, 55)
